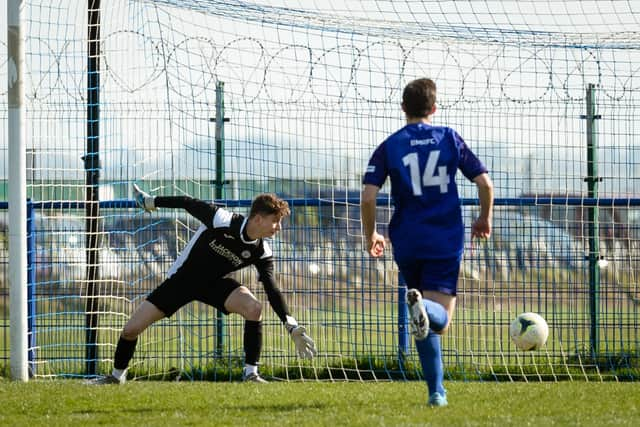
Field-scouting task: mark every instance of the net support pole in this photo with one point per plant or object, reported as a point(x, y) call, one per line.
point(403, 322)
point(219, 191)
point(92, 178)
point(31, 285)
point(593, 257)
point(17, 194)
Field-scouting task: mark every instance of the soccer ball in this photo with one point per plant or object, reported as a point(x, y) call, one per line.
point(529, 331)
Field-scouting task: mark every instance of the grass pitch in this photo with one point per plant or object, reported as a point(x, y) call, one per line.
point(150, 403)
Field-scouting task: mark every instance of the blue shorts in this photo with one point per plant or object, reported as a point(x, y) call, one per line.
point(431, 274)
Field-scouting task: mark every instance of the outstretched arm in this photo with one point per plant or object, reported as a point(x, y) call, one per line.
point(481, 227)
point(200, 209)
point(305, 347)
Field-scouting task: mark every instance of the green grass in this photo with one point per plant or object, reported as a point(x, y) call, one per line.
point(150, 403)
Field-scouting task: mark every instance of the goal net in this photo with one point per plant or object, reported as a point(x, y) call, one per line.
point(223, 100)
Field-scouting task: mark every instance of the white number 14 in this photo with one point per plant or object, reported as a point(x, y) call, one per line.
point(429, 177)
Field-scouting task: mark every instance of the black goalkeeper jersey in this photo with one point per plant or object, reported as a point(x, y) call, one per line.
point(221, 246)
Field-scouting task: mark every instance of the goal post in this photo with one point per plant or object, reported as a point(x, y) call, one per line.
point(17, 192)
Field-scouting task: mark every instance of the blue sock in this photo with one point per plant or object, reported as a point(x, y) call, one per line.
point(431, 360)
point(437, 314)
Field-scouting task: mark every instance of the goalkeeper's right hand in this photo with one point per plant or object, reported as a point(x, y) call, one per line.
point(305, 347)
point(143, 200)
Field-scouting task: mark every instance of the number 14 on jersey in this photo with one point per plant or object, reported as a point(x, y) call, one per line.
point(433, 175)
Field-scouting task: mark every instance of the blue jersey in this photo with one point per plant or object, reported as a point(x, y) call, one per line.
point(421, 161)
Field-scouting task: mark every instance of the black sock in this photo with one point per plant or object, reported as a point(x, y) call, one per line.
point(124, 353)
point(252, 341)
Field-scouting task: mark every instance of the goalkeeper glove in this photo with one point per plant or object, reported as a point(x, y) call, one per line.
point(143, 200)
point(305, 347)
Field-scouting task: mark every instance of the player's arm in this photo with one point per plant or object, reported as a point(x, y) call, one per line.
point(305, 347)
point(482, 225)
point(475, 171)
point(276, 300)
point(375, 241)
point(199, 209)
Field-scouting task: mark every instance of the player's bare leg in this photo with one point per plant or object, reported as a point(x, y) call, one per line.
point(446, 300)
point(145, 315)
point(243, 302)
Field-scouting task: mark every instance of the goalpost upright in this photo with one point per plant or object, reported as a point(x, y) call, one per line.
point(17, 194)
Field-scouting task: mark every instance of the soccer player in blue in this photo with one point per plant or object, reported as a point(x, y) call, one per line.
point(426, 230)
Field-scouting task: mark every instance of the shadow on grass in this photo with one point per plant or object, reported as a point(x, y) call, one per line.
point(118, 410)
point(281, 407)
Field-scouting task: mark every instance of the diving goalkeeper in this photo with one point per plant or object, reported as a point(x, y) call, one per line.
point(225, 242)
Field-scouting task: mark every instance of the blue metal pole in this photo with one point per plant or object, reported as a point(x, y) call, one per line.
point(403, 321)
point(234, 203)
point(31, 283)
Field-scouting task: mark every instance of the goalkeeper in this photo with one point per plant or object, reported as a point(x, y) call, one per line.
point(225, 242)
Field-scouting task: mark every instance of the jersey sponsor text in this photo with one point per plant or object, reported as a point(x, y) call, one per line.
point(225, 252)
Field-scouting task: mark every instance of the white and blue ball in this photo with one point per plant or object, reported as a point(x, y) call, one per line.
point(529, 331)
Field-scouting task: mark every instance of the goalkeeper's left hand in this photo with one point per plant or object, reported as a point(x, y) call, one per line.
point(305, 347)
point(143, 200)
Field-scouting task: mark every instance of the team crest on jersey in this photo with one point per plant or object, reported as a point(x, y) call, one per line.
point(245, 254)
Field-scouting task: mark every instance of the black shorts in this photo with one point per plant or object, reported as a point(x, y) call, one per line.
point(181, 288)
